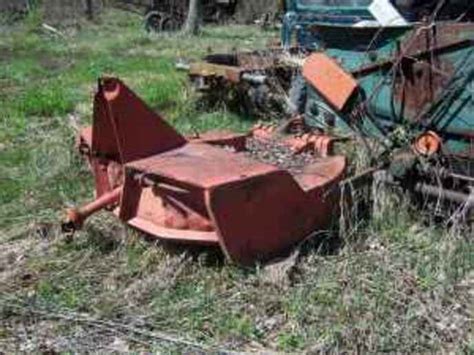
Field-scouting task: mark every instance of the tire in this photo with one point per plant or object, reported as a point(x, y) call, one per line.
point(153, 21)
point(169, 25)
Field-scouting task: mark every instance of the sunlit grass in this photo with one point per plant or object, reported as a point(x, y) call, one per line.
point(393, 287)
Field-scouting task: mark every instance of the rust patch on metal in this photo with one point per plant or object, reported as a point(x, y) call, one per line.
point(418, 83)
point(428, 144)
point(201, 189)
point(329, 79)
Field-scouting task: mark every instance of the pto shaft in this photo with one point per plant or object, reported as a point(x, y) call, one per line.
point(76, 216)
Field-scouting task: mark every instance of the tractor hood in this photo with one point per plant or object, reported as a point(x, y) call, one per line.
point(328, 11)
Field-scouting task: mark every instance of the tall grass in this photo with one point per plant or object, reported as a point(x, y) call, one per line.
point(393, 284)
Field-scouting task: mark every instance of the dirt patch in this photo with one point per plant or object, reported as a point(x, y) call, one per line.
point(6, 54)
point(14, 255)
point(26, 333)
point(53, 64)
point(46, 59)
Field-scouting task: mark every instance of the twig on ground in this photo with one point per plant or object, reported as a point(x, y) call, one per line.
point(53, 30)
point(108, 325)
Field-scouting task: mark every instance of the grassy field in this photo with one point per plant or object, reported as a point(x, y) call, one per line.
point(392, 284)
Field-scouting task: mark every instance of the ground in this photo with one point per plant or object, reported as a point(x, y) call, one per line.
point(389, 284)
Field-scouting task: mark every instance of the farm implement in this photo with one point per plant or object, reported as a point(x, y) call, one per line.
point(252, 83)
point(210, 189)
point(401, 85)
point(402, 92)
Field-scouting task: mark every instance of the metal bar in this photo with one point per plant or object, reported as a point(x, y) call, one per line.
point(182, 66)
point(77, 216)
point(149, 181)
point(446, 173)
point(387, 64)
point(444, 194)
point(461, 177)
point(254, 78)
point(362, 179)
point(434, 191)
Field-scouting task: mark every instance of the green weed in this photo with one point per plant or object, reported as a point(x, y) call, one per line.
point(290, 341)
point(390, 288)
point(72, 295)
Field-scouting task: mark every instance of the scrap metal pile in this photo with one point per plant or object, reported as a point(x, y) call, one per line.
point(368, 72)
point(253, 83)
point(395, 74)
point(276, 153)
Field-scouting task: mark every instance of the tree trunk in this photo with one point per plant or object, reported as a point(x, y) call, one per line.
point(90, 9)
point(193, 21)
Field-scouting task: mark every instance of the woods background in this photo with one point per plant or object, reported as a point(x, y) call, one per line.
point(57, 11)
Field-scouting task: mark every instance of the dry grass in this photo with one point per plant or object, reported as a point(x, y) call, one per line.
point(389, 284)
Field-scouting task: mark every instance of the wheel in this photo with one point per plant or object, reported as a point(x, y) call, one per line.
point(153, 21)
point(169, 24)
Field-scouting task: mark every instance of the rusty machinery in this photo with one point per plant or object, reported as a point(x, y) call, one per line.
point(406, 86)
point(411, 92)
point(205, 189)
point(253, 83)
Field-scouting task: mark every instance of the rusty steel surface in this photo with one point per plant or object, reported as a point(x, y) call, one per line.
point(252, 83)
point(428, 144)
point(260, 60)
point(201, 165)
point(222, 138)
point(425, 70)
point(319, 143)
point(232, 66)
point(330, 80)
point(77, 216)
point(203, 189)
point(203, 69)
point(128, 132)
